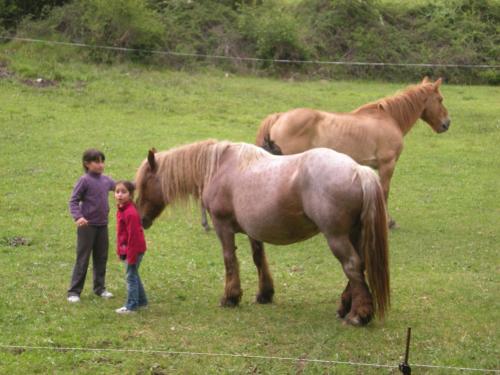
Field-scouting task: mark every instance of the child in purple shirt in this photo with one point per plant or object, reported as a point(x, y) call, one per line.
point(89, 207)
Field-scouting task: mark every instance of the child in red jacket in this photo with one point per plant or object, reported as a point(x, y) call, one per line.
point(131, 245)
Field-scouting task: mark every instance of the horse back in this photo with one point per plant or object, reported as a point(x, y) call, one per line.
point(359, 135)
point(295, 131)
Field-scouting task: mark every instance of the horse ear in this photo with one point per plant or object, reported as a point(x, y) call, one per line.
point(426, 80)
point(151, 159)
point(438, 83)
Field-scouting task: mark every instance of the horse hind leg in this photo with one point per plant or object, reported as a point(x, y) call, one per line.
point(356, 304)
point(266, 287)
point(385, 172)
point(345, 302)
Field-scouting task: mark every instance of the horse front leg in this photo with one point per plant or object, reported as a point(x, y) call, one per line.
point(356, 304)
point(385, 171)
point(204, 219)
point(232, 287)
point(266, 287)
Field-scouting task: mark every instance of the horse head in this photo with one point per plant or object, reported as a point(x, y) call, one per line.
point(435, 113)
point(150, 199)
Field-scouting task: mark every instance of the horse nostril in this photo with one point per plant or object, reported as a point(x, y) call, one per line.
point(146, 222)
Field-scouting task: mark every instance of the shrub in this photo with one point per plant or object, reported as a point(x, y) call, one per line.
point(463, 32)
point(115, 23)
point(272, 32)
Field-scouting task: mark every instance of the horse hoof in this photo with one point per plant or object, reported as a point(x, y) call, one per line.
point(229, 301)
point(353, 321)
point(392, 224)
point(357, 321)
point(264, 298)
point(341, 313)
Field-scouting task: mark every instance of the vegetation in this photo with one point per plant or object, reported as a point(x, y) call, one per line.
point(461, 32)
point(444, 256)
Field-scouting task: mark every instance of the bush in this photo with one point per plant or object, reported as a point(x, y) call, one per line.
point(463, 32)
point(12, 11)
point(272, 33)
point(116, 23)
point(453, 32)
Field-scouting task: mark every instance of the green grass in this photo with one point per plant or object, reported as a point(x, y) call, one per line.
point(444, 256)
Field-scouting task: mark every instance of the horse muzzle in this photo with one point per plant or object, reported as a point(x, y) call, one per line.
point(146, 222)
point(444, 126)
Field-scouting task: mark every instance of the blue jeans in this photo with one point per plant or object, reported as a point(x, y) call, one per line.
point(136, 296)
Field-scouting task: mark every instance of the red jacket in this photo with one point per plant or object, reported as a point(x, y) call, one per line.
point(130, 239)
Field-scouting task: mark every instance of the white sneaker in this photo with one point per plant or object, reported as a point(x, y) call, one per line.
point(124, 310)
point(73, 299)
point(106, 294)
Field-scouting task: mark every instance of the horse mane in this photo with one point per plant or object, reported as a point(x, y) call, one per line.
point(405, 106)
point(185, 170)
point(249, 153)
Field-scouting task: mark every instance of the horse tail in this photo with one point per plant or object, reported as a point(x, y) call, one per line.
point(264, 132)
point(374, 243)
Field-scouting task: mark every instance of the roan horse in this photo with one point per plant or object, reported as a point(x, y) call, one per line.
point(280, 200)
point(372, 134)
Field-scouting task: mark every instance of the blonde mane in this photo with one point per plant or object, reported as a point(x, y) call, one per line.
point(184, 171)
point(405, 107)
point(249, 153)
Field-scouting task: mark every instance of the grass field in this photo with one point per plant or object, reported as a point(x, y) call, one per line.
point(444, 257)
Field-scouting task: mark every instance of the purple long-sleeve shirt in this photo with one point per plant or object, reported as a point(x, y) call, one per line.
point(90, 198)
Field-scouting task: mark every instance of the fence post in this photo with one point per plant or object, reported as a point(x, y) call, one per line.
point(404, 367)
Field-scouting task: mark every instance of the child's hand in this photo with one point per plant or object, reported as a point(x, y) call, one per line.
point(81, 222)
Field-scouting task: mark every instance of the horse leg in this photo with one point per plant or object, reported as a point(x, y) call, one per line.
point(345, 302)
point(232, 288)
point(361, 311)
point(266, 288)
point(385, 171)
point(204, 220)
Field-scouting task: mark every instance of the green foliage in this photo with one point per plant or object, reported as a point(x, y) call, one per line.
point(118, 23)
point(457, 32)
point(461, 32)
point(272, 33)
point(206, 27)
point(12, 11)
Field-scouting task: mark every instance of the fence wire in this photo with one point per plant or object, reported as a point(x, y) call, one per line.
point(239, 355)
point(252, 59)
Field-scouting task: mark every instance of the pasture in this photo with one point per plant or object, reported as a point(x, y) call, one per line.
point(444, 257)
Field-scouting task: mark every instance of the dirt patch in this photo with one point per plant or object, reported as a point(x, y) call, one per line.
point(37, 82)
point(16, 241)
point(17, 351)
point(40, 82)
point(4, 72)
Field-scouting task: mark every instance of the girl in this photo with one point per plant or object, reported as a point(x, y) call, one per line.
point(131, 245)
point(89, 207)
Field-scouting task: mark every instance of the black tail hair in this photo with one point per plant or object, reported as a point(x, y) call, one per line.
point(270, 146)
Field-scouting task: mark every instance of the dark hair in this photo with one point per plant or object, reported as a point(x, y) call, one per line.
point(129, 185)
point(92, 155)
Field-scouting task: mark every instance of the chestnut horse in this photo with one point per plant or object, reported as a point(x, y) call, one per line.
point(279, 200)
point(372, 134)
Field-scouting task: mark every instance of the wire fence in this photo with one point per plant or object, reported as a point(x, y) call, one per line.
point(239, 355)
point(252, 59)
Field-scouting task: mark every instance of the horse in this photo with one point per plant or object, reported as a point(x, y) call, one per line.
point(279, 200)
point(371, 134)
